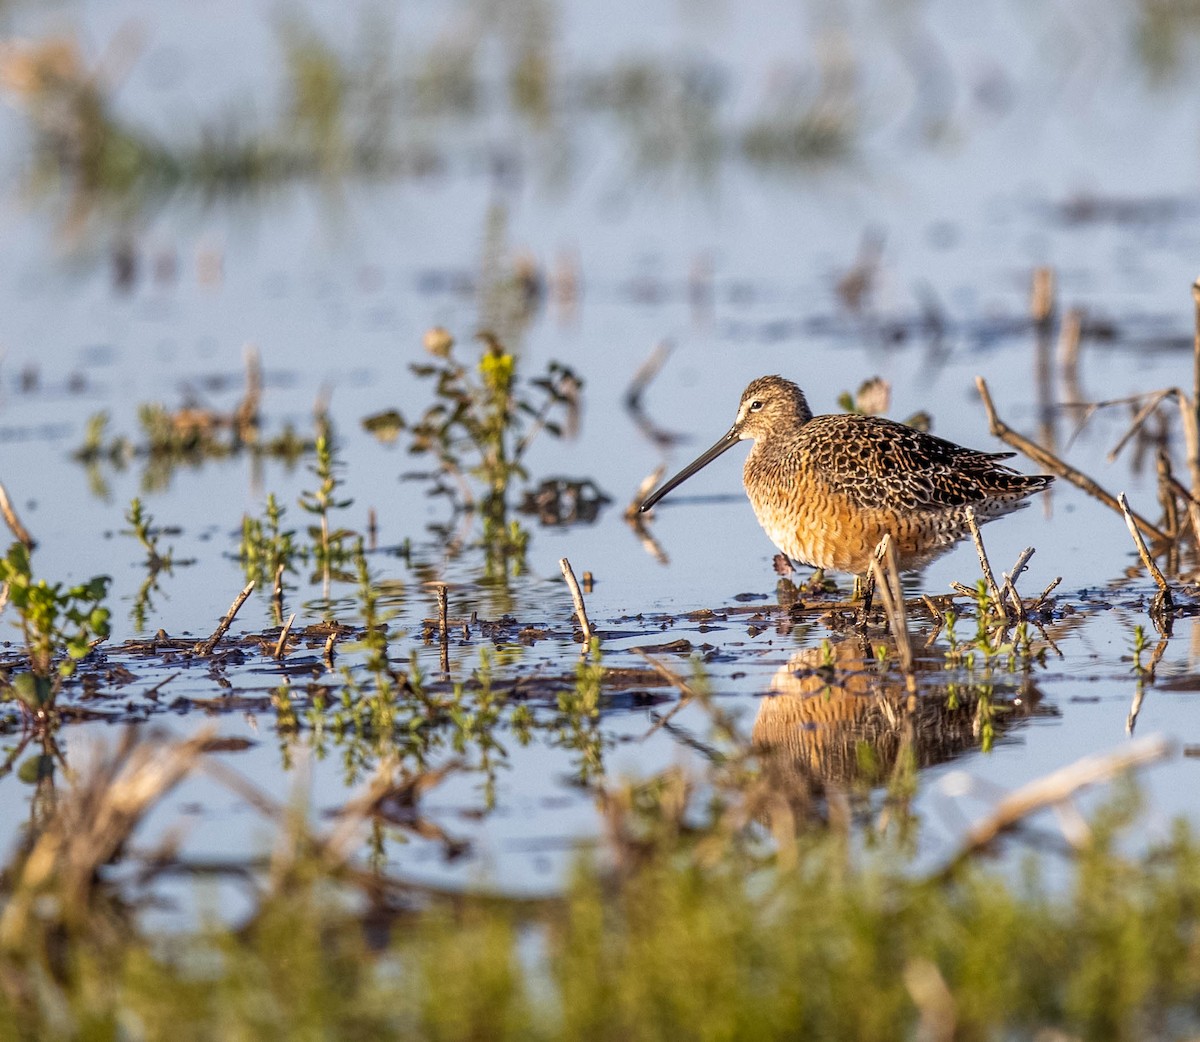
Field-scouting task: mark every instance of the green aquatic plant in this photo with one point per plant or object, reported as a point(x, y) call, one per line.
point(267, 549)
point(141, 527)
point(332, 548)
point(484, 418)
point(58, 625)
point(158, 561)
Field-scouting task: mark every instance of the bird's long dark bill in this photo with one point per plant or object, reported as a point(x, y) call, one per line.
point(726, 443)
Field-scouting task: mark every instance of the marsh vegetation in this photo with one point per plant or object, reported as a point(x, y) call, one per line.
point(323, 380)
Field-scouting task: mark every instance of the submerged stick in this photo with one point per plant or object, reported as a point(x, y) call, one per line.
point(281, 644)
point(1140, 543)
point(443, 599)
point(577, 597)
point(1164, 603)
point(1045, 458)
point(205, 647)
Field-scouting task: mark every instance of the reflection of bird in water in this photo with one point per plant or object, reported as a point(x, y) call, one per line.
point(826, 488)
point(832, 721)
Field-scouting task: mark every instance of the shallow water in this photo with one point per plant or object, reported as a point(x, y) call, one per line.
point(979, 150)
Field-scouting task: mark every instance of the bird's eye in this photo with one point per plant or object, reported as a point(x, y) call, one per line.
point(755, 405)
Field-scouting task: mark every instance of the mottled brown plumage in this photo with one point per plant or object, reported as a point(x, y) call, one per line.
point(826, 488)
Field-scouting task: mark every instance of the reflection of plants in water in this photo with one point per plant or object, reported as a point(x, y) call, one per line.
point(482, 423)
point(372, 710)
point(58, 626)
point(578, 725)
point(141, 527)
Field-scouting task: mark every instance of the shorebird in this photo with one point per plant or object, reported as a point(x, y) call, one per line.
point(826, 488)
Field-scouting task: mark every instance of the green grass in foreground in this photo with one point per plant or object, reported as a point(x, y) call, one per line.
point(679, 937)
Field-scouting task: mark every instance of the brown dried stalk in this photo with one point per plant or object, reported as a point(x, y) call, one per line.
point(1048, 460)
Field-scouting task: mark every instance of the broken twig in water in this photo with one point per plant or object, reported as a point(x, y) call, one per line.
point(281, 644)
point(577, 597)
point(443, 599)
point(205, 647)
point(1164, 603)
point(1045, 458)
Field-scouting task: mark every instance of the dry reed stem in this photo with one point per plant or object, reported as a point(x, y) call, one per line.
point(1166, 495)
point(281, 644)
point(935, 612)
point(1010, 582)
point(91, 823)
point(245, 416)
point(1055, 788)
point(886, 572)
point(1069, 339)
point(933, 999)
point(1048, 460)
point(988, 577)
point(1191, 502)
point(1041, 598)
point(1143, 414)
point(1143, 551)
point(205, 647)
point(14, 523)
point(1041, 304)
point(1163, 604)
point(577, 597)
point(443, 599)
